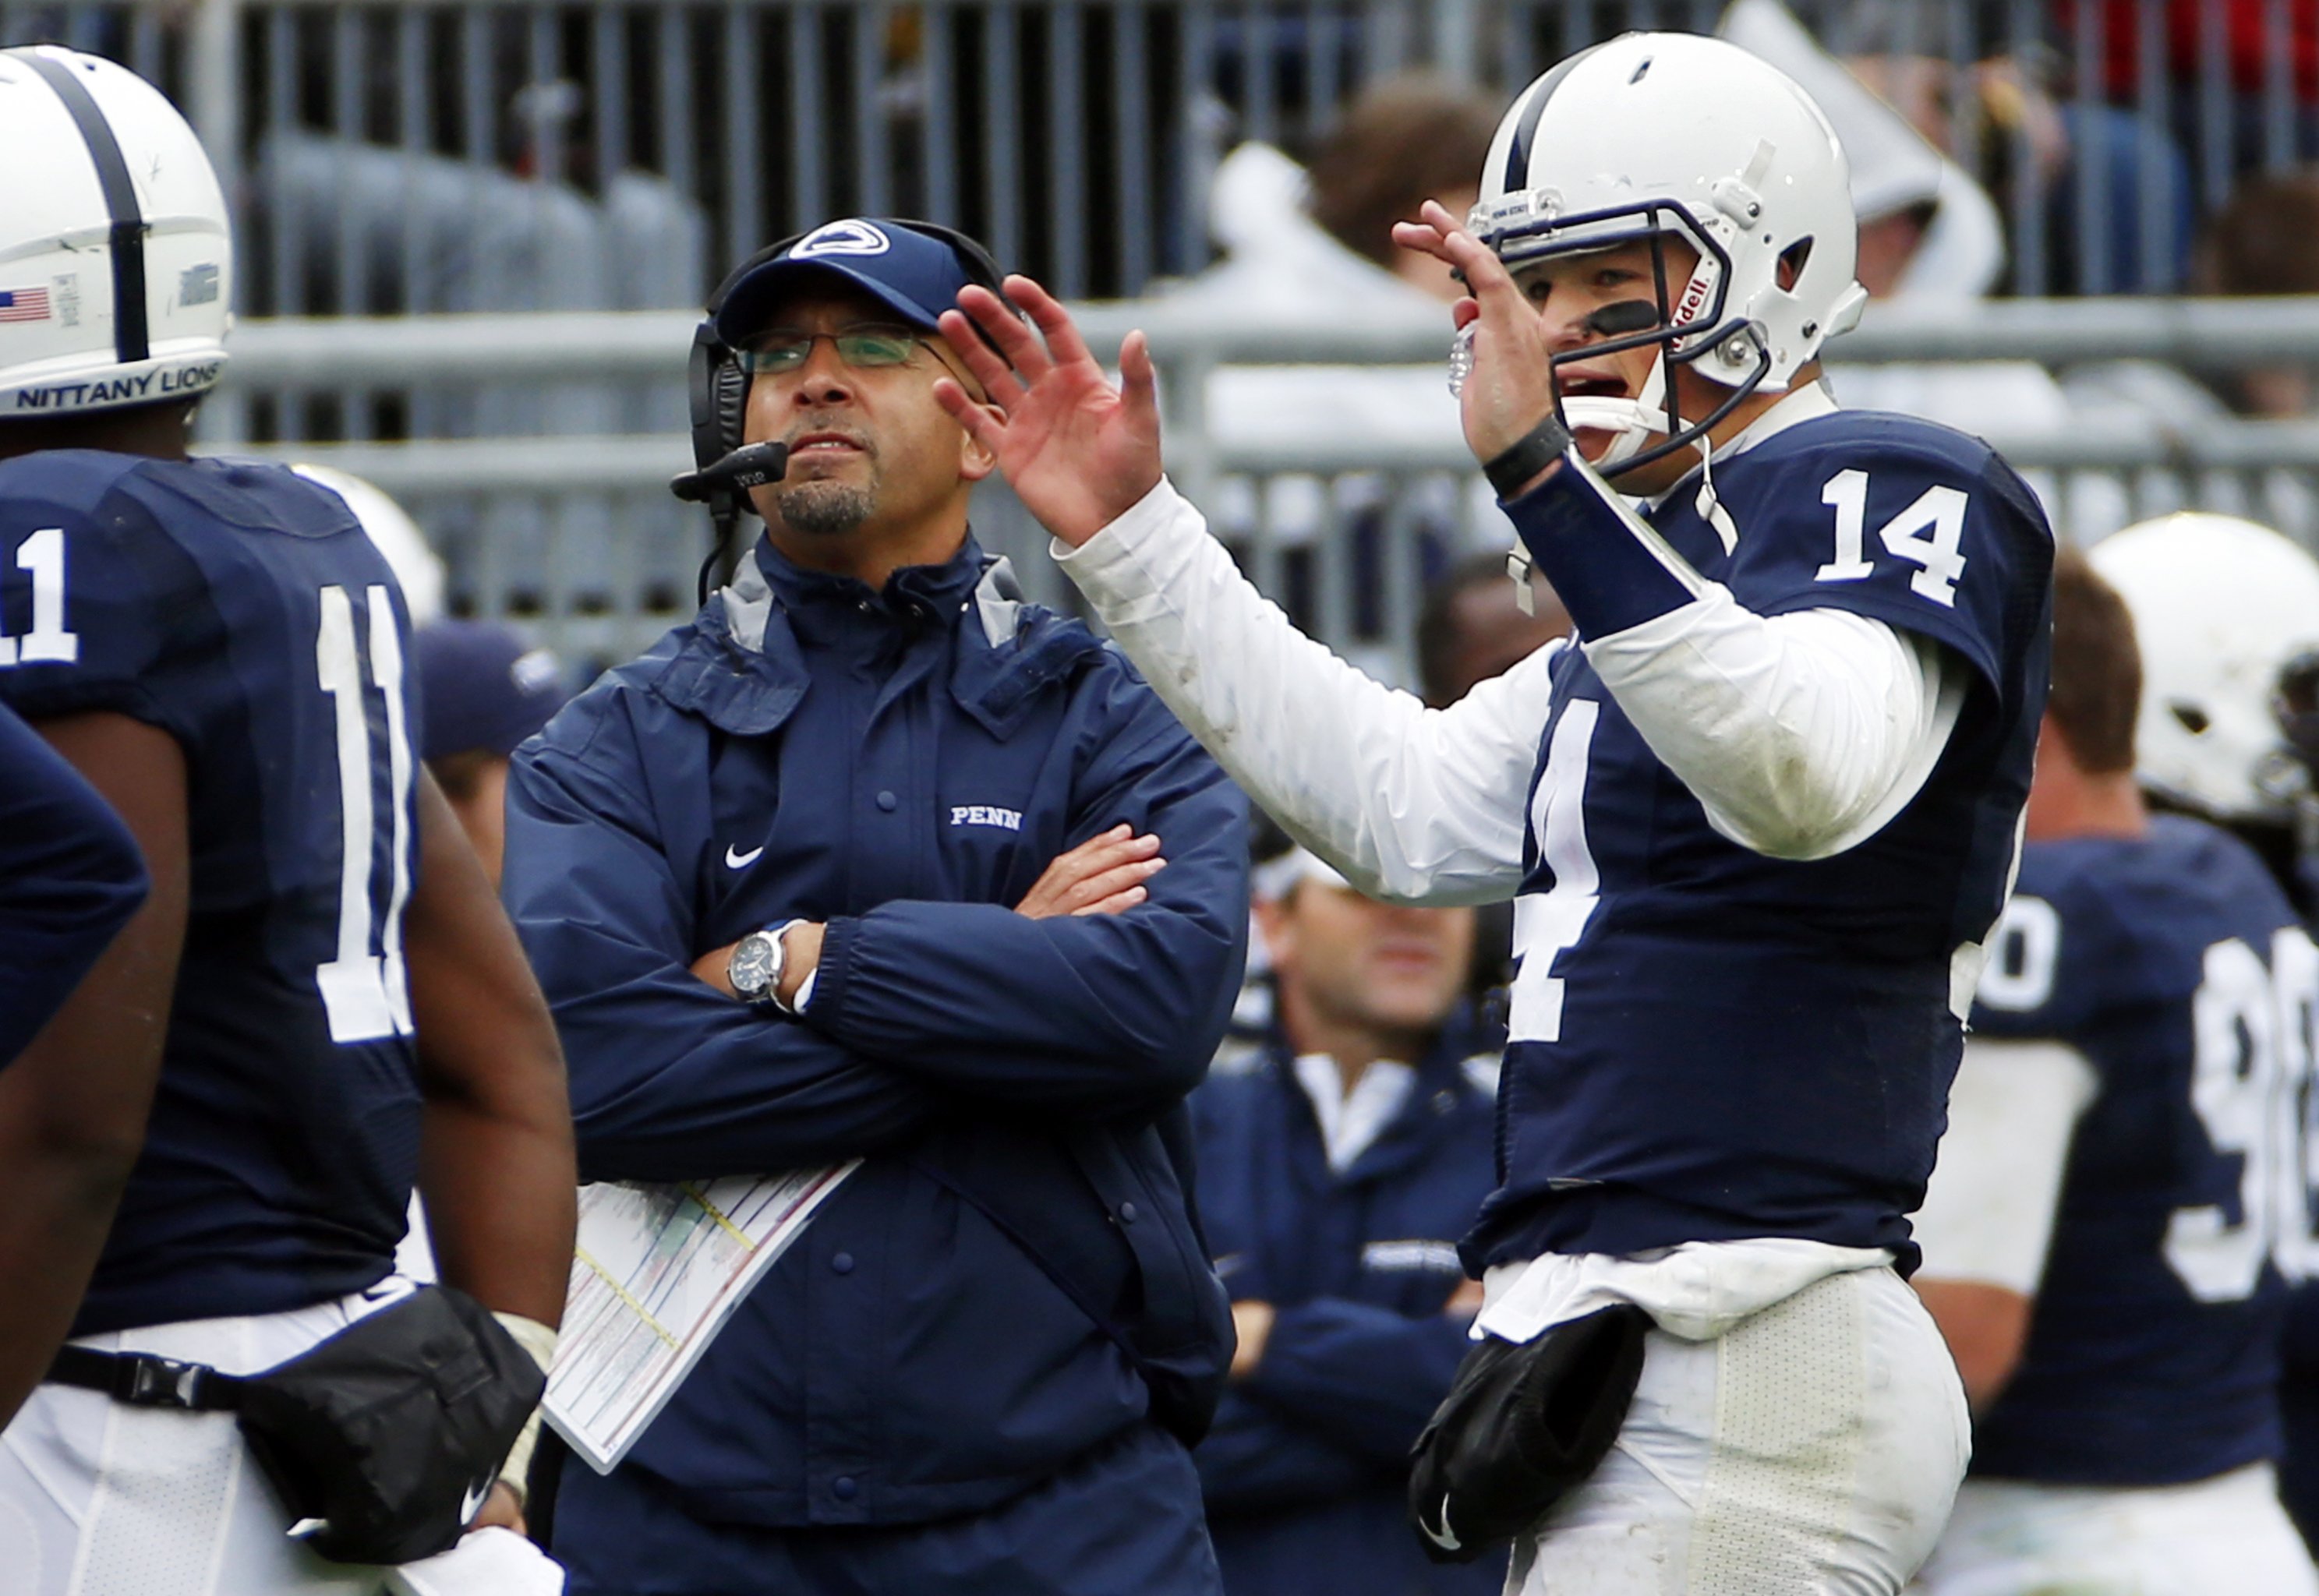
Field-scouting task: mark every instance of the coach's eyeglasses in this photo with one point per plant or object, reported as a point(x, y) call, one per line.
point(863, 346)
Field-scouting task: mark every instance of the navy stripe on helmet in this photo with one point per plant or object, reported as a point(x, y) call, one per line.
point(132, 337)
point(1517, 173)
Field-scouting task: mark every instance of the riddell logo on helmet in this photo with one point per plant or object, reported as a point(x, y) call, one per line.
point(150, 384)
point(1694, 296)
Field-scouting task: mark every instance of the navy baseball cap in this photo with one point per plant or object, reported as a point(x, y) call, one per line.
point(482, 686)
point(915, 274)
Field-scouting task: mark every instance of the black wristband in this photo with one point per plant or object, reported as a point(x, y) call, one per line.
point(1536, 450)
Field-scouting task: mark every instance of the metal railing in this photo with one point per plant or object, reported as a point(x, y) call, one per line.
point(428, 154)
point(578, 535)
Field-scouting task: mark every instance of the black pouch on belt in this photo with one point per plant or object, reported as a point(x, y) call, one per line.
point(391, 1432)
point(1522, 1424)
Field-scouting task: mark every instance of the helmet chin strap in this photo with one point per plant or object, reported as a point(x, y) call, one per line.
point(1632, 423)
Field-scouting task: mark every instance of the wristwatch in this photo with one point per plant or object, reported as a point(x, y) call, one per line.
point(755, 966)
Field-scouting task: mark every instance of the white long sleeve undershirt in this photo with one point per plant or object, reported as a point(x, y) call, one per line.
point(1802, 735)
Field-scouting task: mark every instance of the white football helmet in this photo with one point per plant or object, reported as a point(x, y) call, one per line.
point(1662, 136)
point(2221, 607)
point(116, 267)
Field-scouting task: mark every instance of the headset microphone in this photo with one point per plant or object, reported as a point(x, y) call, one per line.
point(751, 465)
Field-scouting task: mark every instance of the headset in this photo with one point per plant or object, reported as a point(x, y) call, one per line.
point(724, 467)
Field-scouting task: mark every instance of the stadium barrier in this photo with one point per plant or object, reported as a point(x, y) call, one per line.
point(577, 534)
point(401, 155)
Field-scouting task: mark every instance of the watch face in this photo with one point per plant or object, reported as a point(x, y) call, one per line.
point(755, 958)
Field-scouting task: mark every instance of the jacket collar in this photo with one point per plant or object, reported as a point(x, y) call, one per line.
point(742, 670)
point(1443, 1082)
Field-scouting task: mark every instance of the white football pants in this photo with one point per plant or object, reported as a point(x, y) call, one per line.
point(1813, 1447)
point(98, 1498)
point(2223, 1536)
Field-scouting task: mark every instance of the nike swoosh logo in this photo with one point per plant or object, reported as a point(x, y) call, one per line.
point(473, 1501)
point(1445, 1537)
point(741, 861)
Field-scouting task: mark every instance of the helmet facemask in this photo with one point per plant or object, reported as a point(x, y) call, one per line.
point(1685, 324)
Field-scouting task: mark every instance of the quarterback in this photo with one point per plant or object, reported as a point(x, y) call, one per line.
point(1757, 818)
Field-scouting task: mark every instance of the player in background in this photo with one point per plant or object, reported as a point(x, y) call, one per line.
point(321, 1000)
point(486, 689)
point(69, 880)
point(2229, 622)
point(1758, 824)
point(2100, 1228)
point(1338, 1165)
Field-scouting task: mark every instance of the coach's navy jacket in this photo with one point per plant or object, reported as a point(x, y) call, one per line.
point(901, 765)
point(1306, 1471)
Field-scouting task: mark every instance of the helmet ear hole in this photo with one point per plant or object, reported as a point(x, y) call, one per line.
point(2190, 717)
point(1792, 261)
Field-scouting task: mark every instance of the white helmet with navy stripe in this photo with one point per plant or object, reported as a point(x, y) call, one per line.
point(116, 267)
point(1678, 136)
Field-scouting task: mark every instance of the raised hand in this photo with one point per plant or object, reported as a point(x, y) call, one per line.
point(1510, 388)
point(1078, 451)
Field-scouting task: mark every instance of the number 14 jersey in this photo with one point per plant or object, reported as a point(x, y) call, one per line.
point(1710, 1043)
point(241, 608)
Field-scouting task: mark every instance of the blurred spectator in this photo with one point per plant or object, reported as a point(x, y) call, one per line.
point(482, 690)
point(2243, 28)
point(412, 232)
point(1927, 230)
point(2256, 37)
point(1405, 140)
point(2113, 185)
point(1910, 198)
point(1304, 247)
point(1473, 626)
point(2260, 242)
point(1338, 1168)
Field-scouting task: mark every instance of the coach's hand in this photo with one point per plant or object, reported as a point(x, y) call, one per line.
point(1104, 875)
point(1510, 388)
point(1078, 451)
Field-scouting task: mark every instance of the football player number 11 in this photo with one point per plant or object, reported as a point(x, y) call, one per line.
point(363, 986)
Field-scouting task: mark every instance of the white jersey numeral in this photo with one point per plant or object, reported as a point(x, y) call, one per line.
point(2022, 952)
point(2294, 978)
point(1927, 535)
point(363, 989)
point(2253, 1053)
point(1847, 493)
point(48, 642)
point(1547, 923)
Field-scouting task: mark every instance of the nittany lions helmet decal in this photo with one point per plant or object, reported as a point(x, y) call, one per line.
point(116, 263)
point(1659, 136)
point(2220, 608)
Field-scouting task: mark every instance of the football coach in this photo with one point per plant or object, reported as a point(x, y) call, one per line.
point(874, 859)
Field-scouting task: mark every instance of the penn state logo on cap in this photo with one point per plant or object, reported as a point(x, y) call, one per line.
point(914, 274)
point(852, 236)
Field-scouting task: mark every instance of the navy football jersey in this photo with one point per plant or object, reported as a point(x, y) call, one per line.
point(2176, 966)
point(241, 608)
point(1709, 1043)
point(70, 877)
